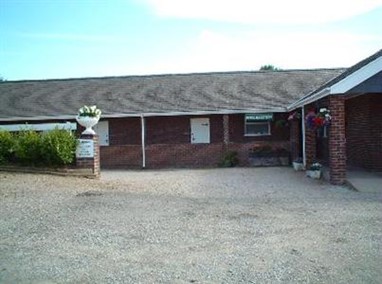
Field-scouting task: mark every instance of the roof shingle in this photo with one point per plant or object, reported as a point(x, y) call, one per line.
point(133, 95)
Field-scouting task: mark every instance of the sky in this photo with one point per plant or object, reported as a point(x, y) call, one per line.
point(46, 39)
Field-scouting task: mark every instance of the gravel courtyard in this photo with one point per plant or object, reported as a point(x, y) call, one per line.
point(240, 225)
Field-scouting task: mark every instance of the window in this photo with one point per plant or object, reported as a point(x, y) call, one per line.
point(258, 124)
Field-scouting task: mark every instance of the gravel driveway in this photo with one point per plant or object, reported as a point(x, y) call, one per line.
point(240, 225)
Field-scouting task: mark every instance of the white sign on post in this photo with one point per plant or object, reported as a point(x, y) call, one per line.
point(85, 148)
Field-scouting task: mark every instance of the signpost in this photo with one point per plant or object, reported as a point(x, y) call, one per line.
point(85, 148)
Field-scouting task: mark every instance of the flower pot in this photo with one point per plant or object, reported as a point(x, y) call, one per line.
point(298, 166)
point(316, 174)
point(88, 122)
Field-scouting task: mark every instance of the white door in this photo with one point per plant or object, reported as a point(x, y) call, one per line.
point(200, 130)
point(102, 129)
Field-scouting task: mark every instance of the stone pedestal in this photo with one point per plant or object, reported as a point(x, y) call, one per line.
point(88, 154)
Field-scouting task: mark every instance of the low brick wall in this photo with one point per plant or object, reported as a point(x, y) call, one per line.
point(121, 156)
point(179, 155)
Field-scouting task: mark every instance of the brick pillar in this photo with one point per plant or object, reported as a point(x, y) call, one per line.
point(337, 140)
point(225, 129)
point(294, 138)
point(88, 154)
point(310, 143)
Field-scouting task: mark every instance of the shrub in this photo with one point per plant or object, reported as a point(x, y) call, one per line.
point(6, 146)
point(58, 147)
point(28, 147)
point(230, 159)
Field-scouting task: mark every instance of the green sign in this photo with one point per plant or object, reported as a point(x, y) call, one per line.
point(258, 117)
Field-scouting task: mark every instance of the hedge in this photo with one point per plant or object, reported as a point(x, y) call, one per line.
point(30, 148)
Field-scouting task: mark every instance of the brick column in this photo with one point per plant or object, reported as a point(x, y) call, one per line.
point(337, 140)
point(86, 159)
point(310, 142)
point(294, 139)
point(225, 129)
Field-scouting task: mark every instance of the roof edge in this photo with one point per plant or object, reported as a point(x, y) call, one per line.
point(145, 114)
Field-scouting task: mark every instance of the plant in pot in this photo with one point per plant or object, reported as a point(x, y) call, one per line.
point(298, 164)
point(314, 171)
point(88, 116)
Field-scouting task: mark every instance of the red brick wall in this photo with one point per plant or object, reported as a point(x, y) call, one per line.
point(125, 131)
point(364, 131)
point(177, 129)
point(121, 156)
point(237, 129)
point(337, 140)
point(184, 155)
point(310, 140)
point(168, 142)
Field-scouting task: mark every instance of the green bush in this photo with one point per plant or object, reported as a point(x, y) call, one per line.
point(6, 146)
point(28, 148)
point(230, 159)
point(58, 147)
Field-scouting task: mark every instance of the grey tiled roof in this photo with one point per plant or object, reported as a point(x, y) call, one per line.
point(210, 92)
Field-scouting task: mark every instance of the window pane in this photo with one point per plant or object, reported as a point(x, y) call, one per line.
point(261, 128)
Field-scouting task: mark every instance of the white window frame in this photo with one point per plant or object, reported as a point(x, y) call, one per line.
point(254, 123)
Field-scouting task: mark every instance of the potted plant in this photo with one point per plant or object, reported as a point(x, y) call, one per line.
point(88, 116)
point(314, 171)
point(298, 164)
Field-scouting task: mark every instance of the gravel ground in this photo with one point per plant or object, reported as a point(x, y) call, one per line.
point(240, 225)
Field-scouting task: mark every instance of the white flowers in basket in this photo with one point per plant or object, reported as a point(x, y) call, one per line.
point(91, 111)
point(88, 116)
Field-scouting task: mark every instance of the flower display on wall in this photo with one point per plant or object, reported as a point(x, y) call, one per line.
point(317, 120)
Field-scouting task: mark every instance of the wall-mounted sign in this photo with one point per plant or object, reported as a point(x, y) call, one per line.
point(258, 117)
point(85, 148)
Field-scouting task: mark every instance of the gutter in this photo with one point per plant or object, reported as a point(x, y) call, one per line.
point(143, 132)
point(148, 114)
point(309, 99)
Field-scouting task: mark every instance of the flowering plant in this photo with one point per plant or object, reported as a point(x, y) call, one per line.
point(91, 111)
point(294, 115)
point(316, 120)
point(315, 167)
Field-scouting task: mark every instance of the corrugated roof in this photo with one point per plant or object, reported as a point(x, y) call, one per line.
point(209, 92)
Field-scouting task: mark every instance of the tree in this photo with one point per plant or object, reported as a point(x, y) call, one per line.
point(269, 67)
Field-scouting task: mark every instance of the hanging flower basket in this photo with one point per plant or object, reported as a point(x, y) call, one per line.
point(88, 116)
point(317, 120)
point(294, 115)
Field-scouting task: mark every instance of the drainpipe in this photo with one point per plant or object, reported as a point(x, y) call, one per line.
point(303, 135)
point(143, 141)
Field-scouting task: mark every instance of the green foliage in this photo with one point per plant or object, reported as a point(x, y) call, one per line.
point(28, 147)
point(58, 147)
point(269, 67)
point(230, 159)
point(6, 146)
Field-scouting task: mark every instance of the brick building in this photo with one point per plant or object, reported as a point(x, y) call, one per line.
point(191, 120)
point(354, 138)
